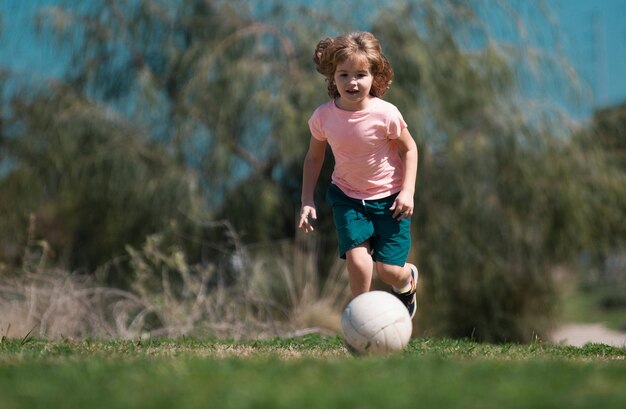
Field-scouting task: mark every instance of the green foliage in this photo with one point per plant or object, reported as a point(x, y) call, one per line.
point(604, 145)
point(609, 126)
point(89, 182)
point(602, 279)
point(220, 88)
point(494, 233)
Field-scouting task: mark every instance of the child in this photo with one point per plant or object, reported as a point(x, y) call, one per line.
point(373, 181)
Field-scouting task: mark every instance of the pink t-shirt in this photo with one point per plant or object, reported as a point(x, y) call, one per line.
point(367, 164)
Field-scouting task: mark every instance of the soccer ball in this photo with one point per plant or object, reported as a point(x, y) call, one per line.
point(376, 323)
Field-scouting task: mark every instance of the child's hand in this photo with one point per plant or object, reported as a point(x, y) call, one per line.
point(403, 206)
point(306, 212)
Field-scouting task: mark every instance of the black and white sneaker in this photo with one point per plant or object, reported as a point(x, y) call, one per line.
point(409, 299)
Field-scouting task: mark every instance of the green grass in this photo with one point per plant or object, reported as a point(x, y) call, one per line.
point(308, 372)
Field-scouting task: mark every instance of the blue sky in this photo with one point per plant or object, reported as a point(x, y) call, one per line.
point(593, 33)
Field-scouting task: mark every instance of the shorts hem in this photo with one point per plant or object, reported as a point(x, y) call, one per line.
point(353, 244)
point(390, 262)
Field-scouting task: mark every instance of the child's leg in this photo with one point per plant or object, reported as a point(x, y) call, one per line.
point(360, 268)
point(403, 281)
point(399, 277)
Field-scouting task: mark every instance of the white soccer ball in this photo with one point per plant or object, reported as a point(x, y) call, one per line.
point(376, 323)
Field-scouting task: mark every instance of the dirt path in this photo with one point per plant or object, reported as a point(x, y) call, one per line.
point(581, 334)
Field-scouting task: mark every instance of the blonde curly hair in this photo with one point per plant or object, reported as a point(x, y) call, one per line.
point(331, 52)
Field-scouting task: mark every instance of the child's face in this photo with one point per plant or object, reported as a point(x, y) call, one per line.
point(354, 81)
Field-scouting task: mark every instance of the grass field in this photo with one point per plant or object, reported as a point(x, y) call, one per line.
point(308, 372)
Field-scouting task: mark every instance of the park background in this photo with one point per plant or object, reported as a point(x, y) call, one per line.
point(151, 154)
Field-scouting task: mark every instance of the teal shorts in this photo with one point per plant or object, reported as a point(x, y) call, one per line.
point(357, 221)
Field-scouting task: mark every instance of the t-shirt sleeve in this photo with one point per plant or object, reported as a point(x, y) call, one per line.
point(315, 125)
point(396, 124)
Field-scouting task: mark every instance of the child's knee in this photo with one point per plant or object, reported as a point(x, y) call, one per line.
point(390, 273)
point(359, 253)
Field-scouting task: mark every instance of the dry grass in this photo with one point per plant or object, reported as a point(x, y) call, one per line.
point(275, 292)
point(54, 304)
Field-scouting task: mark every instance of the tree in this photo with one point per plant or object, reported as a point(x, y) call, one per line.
point(211, 82)
point(603, 143)
point(202, 85)
point(88, 182)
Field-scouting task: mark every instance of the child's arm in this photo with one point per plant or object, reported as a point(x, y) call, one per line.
point(407, 149)
point(312, 166)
